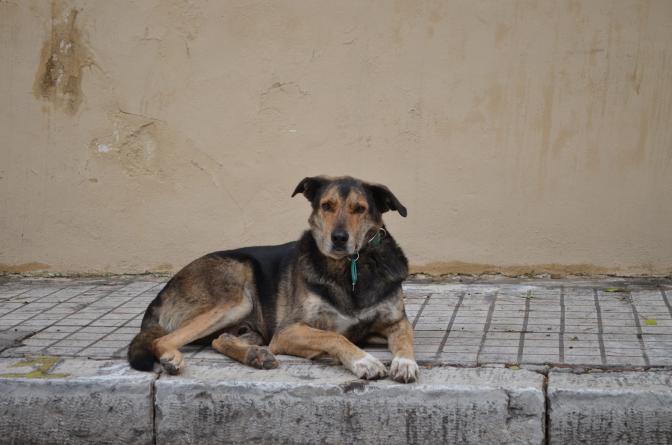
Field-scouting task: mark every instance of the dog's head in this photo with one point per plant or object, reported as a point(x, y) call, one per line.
point(345, 210)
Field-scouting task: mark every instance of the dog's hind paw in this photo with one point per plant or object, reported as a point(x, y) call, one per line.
point(260, 358)
point(404, 370)
point(172, 362)
point(368, 367)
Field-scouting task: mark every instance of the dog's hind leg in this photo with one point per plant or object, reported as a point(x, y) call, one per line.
point(246, 349)
point(166, 348)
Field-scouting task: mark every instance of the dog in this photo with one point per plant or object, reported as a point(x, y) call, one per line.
point(339, 285)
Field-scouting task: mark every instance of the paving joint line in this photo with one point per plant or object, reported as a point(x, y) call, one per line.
point(86, 305)
point(10, 297)
point(486, 328)
point(80, 310)
point(116, 328)
point(16, 296)
point(118, 350)
point(422, 308)
point(561, 338)
point(600, 329)
point(638, 325)
point(125, 324)
point(29, 303)
point(526, 317)
point(53, 306)
point(450, 325)
point(55, 323)
point(665, 299)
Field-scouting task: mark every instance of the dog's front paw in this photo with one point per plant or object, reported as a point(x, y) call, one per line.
point(368, 367)
point(172, 362)
point(404, 370)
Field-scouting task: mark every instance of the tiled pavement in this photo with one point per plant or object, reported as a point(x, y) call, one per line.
point(601, 323)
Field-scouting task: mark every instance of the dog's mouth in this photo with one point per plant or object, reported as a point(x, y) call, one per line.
point(339, 253)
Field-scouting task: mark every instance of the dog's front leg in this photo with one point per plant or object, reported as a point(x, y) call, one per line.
point(400, 340)
point(301, 340)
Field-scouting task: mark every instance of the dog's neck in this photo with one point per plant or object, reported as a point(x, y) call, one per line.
point(381, 267)
point(373, 241)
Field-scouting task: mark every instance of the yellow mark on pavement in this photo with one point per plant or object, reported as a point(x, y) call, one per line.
point(41, 367)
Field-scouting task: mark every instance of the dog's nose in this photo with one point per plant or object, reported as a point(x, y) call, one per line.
point(339, 237)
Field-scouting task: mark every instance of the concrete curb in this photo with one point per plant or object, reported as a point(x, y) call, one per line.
point(613, 408)
point(72, 400)
point(320, 404)
point(75, 402)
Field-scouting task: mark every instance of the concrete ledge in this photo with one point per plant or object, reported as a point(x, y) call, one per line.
point(56, 400)
point(312, 403)
point(613, 408)
point(75, 401)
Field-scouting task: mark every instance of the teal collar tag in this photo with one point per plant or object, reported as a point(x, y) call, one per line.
point(374, 241)
point(353, 270)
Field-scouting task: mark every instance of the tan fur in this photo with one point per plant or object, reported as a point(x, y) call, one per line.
point(344, 213)
point(246, 350)
point(357, 223)
point(194, 314)
point(166, 348)
point(304, 341)
point(400, 338)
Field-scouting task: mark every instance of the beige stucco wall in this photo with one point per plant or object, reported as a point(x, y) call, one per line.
point(518, 133)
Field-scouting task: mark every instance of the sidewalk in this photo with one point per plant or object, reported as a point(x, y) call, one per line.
point(538, 345)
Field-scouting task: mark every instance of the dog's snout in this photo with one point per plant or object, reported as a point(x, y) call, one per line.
point(339, 237)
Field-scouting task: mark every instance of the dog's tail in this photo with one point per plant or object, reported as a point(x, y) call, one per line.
point(140, 354)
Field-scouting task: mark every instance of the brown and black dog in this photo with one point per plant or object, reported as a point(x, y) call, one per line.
point(303, 298)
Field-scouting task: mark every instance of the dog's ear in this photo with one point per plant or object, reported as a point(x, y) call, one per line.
point(385, 199)
point(310, 186)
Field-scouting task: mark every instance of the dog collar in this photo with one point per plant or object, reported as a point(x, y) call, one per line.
point(374, 241)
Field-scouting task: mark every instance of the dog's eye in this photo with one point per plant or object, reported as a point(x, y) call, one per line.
point(358, 209)
point(327, 207)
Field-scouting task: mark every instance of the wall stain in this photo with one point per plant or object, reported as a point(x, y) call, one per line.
point(637, 75)
point(63, 57)
point(640, 153)
point(496, 102)
point(147, 147)
point(24, 267)
point(502, 31)
point(564, 135)
point(132, 142)
point(163, 267)
point(439, 268)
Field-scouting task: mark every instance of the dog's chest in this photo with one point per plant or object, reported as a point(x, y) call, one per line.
point(323, 315)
